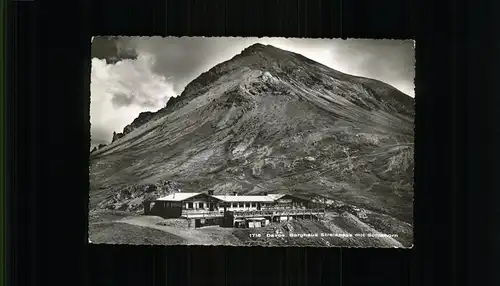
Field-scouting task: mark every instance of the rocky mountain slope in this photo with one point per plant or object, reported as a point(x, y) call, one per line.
point(272, 120)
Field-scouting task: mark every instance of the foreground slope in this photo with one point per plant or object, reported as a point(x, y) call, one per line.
point(271, 120)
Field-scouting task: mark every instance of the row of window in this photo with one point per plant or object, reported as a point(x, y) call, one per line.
point(244, 205)
point(201, 205)
point(172, 204)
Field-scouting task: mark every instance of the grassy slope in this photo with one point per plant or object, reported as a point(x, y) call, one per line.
point(121, 233)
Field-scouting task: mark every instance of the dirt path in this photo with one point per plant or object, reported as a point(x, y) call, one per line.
point(192, 236)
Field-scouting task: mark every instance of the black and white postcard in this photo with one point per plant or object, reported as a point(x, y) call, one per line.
point(252, 141)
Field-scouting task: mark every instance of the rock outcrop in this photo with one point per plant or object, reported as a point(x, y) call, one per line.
point(116, 136)
point(131, 198)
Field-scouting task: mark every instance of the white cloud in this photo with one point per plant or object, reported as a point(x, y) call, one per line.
point(134, 81)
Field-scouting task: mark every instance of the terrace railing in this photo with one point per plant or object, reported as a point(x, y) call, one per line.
point(201, 213)
point(252, 213)
point(278, 212)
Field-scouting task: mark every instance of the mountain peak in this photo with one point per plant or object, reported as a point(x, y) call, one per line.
point(259, 48)
point(255, 47)
point(256, 56)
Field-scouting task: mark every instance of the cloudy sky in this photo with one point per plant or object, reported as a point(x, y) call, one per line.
point(135, 74)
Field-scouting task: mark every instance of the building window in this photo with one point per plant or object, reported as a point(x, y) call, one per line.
point(189, 205)
point(240, 205)
point(247, 205)
point(252, 205)
point(234, 205)
point(201, 205)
